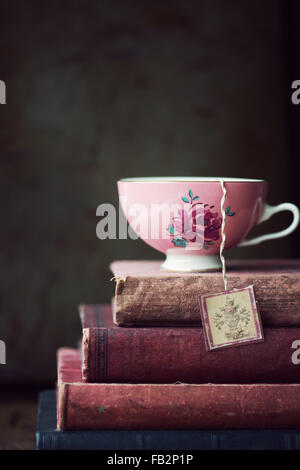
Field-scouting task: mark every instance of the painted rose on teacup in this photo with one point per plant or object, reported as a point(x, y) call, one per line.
point(196, 223)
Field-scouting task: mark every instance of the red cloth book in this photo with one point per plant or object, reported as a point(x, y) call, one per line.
point(146, 295)
point(166, 355)
point(170, 406)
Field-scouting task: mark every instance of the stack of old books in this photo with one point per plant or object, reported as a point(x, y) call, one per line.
point(143, 378)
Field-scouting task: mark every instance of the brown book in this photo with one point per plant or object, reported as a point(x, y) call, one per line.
point(146, 295)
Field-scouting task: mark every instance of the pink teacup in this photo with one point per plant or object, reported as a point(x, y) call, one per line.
point(182, 217)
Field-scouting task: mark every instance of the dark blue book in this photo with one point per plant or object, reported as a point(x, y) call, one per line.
point(48, 438)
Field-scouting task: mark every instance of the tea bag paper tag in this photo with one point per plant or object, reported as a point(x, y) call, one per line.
point(229, 318)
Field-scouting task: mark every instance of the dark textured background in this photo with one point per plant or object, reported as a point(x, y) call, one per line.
point(99, 90)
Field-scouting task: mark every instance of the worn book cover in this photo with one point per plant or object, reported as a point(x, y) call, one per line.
point(171, 406)
point(147, 295)
point(171, 354)
point(48, 438)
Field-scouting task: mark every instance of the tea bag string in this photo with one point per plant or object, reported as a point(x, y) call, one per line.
point(223, 233)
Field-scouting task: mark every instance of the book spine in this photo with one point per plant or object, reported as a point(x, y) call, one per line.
point(171, 440)
point(180, 407)
point(95, 355)
point(146, 301)
point(62, 404)
point(168, 355)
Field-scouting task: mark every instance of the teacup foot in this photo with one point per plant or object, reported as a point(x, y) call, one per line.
point(191, 263)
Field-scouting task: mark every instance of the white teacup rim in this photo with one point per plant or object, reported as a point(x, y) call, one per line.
point(191, 179)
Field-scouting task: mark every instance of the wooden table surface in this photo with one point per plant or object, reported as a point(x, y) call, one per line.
point(18, 413)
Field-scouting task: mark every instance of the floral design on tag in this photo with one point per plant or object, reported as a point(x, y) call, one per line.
point(230, 318)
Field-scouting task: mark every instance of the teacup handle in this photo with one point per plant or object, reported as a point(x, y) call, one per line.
point(268, 212)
